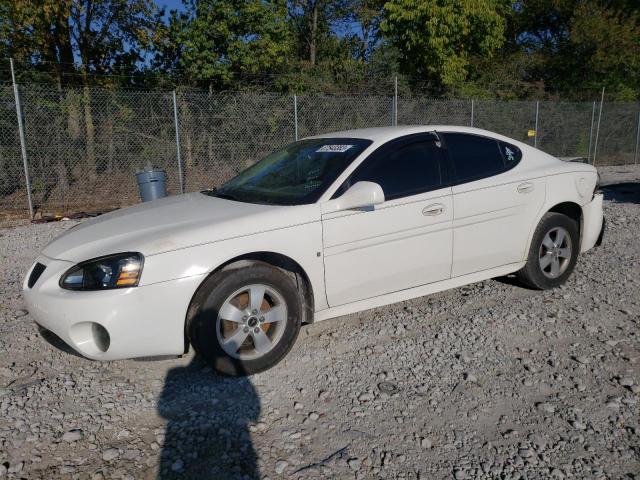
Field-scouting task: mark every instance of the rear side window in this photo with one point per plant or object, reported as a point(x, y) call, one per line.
point(475, 157)
point(403, 170)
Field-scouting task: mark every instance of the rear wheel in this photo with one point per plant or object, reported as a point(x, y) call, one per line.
point(553, 252)
point(247, 318)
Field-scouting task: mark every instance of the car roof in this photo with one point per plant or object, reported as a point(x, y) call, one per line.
point(384, 134)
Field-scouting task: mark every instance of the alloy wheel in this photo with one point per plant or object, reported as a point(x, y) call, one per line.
point(555, 252)
point(251, 321)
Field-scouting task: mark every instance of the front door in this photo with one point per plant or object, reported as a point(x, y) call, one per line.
point(402, 243)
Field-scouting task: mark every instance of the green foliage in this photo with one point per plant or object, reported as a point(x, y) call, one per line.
point(439, 38)
point(576, 47)
point(603, 50)
point(367, 15)
point(313, 22)
point(215, 39)
point(507, 49)
point(106, 36)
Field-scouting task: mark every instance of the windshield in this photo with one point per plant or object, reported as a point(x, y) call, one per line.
point(297, 174)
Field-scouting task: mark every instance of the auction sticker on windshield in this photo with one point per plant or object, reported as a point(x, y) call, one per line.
point(333, 148)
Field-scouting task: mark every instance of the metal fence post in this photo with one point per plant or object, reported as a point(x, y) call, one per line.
point(472, 111)
point(23, 146)
point(593, 117)
point(595, 146)
point(295, 117)
point(179, 157)
point(535, 137)
point(635, 155)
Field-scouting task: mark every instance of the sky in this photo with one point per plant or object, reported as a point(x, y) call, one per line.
point(177, 5)
point(169, 4)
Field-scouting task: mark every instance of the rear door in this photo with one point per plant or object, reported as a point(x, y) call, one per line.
point(494, 202)
point(402, 243)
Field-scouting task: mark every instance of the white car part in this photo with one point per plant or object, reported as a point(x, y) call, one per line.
point(592, 221)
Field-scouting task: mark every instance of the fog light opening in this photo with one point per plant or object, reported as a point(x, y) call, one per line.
point(100, 337)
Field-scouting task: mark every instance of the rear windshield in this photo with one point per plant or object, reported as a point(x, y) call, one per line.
point(297, 174)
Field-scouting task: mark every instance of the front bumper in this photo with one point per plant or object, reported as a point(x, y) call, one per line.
point(140, 322)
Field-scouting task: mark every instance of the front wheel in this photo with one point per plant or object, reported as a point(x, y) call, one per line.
point(246, 319)
point(553, 252)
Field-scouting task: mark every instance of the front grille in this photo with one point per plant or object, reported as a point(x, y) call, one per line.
point(35, 274)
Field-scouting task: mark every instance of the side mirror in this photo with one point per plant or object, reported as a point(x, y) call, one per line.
point(362, 194)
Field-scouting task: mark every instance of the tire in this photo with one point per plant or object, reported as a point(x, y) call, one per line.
point(229, 333)
point(550, 264)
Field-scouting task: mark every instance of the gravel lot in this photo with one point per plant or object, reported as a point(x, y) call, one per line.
point(485, 381)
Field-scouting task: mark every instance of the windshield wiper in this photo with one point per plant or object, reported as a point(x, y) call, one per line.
point(225, 196)
point(212, 192)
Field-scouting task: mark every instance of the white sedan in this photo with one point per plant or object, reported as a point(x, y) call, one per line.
point(327, 226)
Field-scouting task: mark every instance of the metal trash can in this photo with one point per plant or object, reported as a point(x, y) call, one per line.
point(152, 184)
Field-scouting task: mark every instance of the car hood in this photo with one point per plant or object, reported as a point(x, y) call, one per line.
point(173, 223)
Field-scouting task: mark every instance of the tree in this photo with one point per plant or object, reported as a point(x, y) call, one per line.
point(314, 21)
point(367, 15)
point(109, 35)
point(39, 33)
point(438, 38)
point(603, 49)
point(86, 37)
point(581, 45)
point(216, 40)
point(75, 40)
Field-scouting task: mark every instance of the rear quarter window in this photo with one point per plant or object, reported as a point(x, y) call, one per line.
point(474, 157)
point(510, 153)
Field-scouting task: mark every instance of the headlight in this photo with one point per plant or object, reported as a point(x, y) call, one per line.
point(113, 271)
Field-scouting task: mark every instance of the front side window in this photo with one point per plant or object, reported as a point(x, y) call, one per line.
point(402, 170)
point(475, 157)
point(298, 174)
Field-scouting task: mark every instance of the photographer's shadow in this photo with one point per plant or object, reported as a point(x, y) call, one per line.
point(207, 425)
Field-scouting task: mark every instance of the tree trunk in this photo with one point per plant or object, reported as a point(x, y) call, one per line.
point(365, 43)
point(313, 42)
point(112, 147)
point(209, 134)
point(61, 163)
point(73, 117)
point(63, 46)
point(185, 137)
point(89, 126)
point(67, 101)
point(111, 132)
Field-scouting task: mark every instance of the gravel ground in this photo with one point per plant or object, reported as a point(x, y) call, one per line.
point(486, 381)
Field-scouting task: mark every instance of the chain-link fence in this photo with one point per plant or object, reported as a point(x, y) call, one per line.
point(222, 134)
point(83, 146)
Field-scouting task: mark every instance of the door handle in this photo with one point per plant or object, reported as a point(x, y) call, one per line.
point(433, 210)
point(525, 187)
